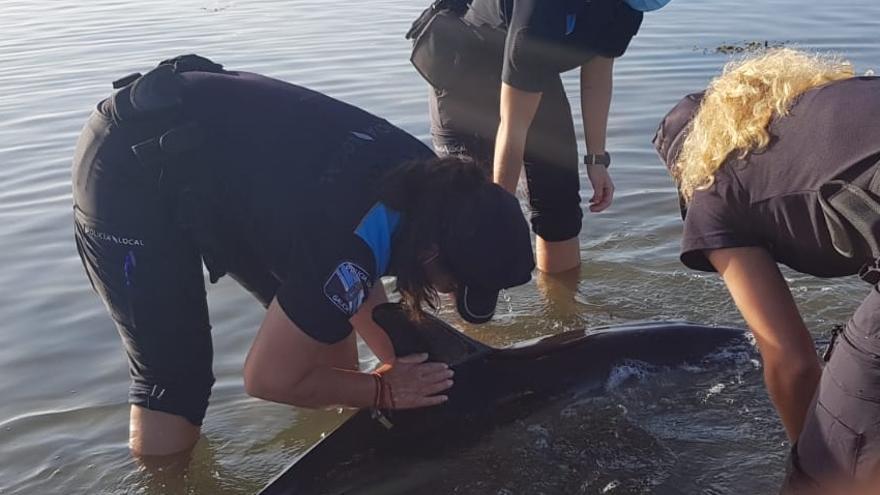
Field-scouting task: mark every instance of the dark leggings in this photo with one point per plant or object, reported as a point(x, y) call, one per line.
point(137, 245)
point(841, 436)
point(464, 122)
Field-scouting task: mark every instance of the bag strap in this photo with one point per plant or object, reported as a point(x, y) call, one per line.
point(849, 208)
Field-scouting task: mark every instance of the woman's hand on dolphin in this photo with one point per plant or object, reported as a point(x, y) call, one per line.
point(413, 382)
point(603, 187)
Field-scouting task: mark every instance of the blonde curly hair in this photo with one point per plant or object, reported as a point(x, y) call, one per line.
point(739, 105)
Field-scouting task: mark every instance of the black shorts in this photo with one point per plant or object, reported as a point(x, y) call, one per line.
point(840, 440)
point(464, 122)
point(147, 267)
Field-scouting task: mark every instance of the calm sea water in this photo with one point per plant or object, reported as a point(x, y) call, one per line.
point(63, 377)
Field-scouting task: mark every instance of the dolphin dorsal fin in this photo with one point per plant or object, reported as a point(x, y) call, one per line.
point(440, 340)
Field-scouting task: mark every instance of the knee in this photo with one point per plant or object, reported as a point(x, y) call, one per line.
point(556, 224)
point(154, 399)
point(159, 433)
point(556, 228)
point(556, 206)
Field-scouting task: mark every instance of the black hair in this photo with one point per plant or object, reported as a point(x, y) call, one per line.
point(430, 195)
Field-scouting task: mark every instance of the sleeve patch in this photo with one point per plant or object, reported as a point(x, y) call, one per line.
point(347, 287)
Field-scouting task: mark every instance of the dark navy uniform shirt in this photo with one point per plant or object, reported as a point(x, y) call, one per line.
point(299, 175)
point(547, 37)
point(770, 198)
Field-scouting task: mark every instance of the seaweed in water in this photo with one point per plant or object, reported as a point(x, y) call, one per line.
point(754, 46)
point(747, 47)
point(217, 7)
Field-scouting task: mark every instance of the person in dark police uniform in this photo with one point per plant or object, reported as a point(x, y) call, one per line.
point(306, 201)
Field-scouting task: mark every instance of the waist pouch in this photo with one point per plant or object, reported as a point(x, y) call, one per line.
point(179, 154)
point(446, 48)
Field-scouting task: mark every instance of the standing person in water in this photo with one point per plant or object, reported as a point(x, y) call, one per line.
point(777, 162)
point(507, 106)
point(304, 200)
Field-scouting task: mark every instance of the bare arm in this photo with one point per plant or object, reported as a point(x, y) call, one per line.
point(596, 89)
point(369, 330)
point(517, 111)
point(286, 365)
point(791, 368)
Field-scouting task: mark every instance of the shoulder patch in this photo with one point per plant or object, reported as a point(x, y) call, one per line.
point(347, 287)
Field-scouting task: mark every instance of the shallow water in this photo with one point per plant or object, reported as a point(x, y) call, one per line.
point(63, 376)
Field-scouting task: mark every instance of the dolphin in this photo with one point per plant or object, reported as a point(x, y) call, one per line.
point(493, 386)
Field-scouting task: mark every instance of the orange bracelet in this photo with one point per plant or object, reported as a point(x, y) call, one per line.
point(380, 385)
point(382, 389)
point(377, 397)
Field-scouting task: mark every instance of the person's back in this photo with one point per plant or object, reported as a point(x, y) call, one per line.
point(290, 164)
point(777, 161)
point(770, 197)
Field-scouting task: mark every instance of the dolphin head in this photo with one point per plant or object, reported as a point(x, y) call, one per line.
point(440, 340)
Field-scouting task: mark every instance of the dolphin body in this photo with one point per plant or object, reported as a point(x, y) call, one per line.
point(493, 386)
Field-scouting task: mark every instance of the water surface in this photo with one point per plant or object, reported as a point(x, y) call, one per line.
point(63, 376)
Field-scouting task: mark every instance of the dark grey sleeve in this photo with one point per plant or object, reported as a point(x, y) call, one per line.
point(534, 33)
point(716, 219)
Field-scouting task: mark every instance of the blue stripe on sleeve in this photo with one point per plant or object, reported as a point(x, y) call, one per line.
point(376, 229)
point(570, 22)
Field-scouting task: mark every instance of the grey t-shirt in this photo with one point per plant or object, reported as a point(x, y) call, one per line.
point(547, 37)
point(769, 199)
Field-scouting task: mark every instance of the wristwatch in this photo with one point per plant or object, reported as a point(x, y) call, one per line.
point(592, 159)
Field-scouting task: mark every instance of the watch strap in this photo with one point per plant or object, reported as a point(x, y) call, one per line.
point(603, 159)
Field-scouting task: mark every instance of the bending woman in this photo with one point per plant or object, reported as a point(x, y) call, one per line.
point(753, 157)
point(509, 107)
point(304, 200)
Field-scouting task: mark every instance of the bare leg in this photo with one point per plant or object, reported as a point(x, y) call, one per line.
point(558, 291)
point(166, 473)
point(194, 470)
point(157, 433)
point(555, 257)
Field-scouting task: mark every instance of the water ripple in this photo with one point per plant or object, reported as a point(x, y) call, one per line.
point(62, 421)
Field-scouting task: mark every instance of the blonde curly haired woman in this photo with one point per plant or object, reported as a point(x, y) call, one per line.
point(750, 156)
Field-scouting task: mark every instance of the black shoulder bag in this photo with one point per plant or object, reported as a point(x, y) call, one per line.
point(443, 43)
